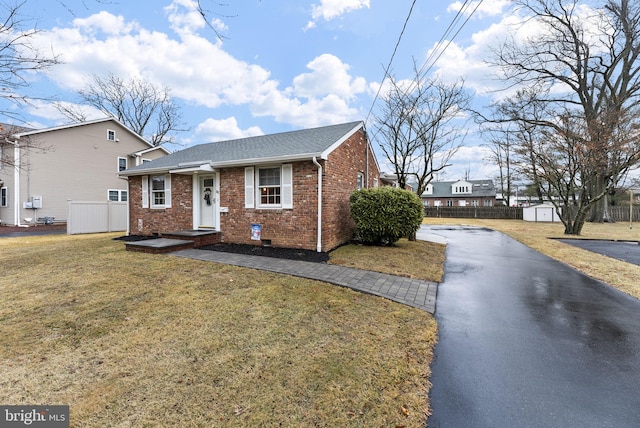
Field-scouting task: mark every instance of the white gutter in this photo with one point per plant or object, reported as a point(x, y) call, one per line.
point(319, 244)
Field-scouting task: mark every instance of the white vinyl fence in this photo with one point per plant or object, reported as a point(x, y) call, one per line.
point(96, 217)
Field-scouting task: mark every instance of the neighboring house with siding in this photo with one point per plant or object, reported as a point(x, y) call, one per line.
point(42, 169)
point(288, 189)
point(461, 193)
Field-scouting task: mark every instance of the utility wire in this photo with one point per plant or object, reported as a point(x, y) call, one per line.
point(395, 50)
point(422, 69)
point(432, 59)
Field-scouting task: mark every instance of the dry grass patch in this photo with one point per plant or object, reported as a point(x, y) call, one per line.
point(131, 339)
point(414, 259)
point(621, 275)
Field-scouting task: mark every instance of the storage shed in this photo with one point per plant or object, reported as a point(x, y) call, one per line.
point(541, 213)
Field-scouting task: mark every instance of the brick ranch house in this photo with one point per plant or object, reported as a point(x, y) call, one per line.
point(289, 189)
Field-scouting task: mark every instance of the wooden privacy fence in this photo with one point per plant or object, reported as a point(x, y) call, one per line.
point(621, 213)
point(618, 213)
point(514, 213)
point(97, 217)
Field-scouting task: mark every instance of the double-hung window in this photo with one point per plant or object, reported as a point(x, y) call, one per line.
point(4, 197)
point(111, 135)
point(122, 164)
point(268, 187)
point(156, 191)
point(158, 197)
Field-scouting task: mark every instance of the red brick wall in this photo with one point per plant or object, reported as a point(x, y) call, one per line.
point(148, 221)
point(292, 228)
point(340, 179)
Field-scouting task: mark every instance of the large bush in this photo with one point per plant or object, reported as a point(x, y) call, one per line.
point(384, 215)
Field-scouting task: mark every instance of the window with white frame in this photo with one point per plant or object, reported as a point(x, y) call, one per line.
point(115, 195)
point(122, 164)
point(158, 195)
point(449, 203)
point(111, 135)
point(269, 187)
point(4, 197)
point(156, 191)
point(360, 180)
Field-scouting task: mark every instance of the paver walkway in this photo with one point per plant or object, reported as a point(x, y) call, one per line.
point(412, 292)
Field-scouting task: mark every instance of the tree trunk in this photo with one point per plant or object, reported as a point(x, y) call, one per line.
point(575, 227)
point(600, 211)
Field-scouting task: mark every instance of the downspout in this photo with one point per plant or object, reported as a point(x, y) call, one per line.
point(366, 184)
point(319, 243)
point(366, 142)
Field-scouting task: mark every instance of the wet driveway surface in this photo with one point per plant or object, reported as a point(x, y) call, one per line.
point(628, 251)
point(525, 341)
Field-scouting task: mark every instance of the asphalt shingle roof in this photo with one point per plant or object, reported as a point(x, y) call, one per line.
point(302, 143)
point(480, 188)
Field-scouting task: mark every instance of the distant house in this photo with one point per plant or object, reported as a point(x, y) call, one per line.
point(42, 169)
point(461, 193)
point(388, 179)
point(289, 189)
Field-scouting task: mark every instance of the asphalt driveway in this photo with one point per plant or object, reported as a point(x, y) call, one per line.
point(628, 251)
point(525, 341)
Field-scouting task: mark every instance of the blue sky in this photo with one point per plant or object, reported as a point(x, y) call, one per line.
point(282, 65)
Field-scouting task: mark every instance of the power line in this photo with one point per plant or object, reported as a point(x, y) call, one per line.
point(434, 56)
point(467, 4)
point(395, 50)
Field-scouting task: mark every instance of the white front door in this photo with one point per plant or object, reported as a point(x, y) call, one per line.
point(207, 202)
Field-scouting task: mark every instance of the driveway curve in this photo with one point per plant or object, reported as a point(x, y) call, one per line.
point(526, 341)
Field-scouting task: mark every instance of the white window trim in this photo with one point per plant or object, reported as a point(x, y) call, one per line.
point(167, 192)
point(126, 163)
point(252, 190)
point(4, 195)
point(111, 132)
point(120, 193)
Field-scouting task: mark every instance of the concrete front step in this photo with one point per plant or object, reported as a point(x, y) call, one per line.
point(159, 245)
point(174, 241)
point(200, 238)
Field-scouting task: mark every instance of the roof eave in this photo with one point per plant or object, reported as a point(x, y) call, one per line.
point(184, 167)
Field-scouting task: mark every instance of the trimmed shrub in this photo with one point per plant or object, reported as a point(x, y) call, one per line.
point(386, 214)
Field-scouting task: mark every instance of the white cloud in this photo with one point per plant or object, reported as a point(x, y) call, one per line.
point(484, 8)
point(473, 160)
point(331, 9)
point(198, 71)
point(224, 129)
point(328, 75)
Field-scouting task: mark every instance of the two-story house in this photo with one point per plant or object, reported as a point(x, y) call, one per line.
point(41, 170)
point(461, 193)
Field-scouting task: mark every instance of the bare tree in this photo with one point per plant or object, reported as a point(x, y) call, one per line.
point(18, 56)
point(417, 128)
point(583, 72)
point(144, 107)
point(501, 144)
